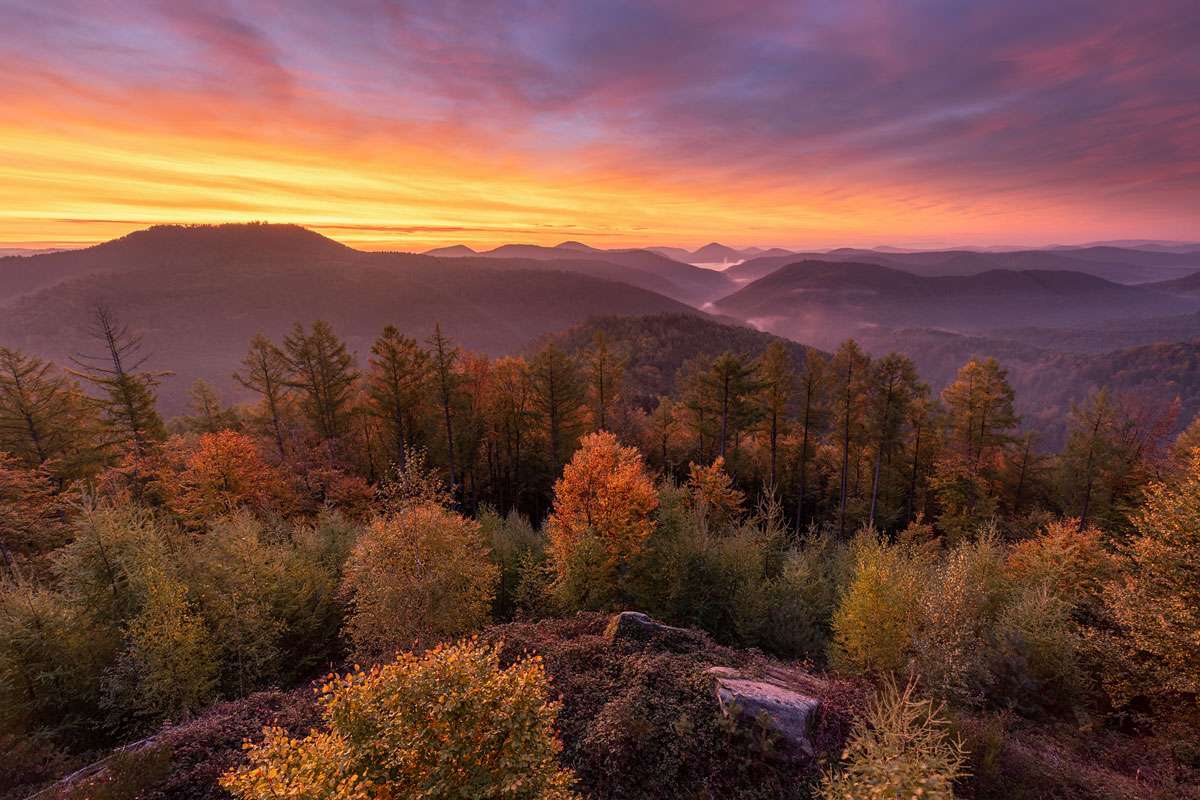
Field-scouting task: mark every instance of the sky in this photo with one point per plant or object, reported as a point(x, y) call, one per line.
point(405, 125)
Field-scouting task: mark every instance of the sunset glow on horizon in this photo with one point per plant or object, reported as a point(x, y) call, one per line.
point(402, 126)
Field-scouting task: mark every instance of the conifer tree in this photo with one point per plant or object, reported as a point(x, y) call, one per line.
point(127, 392)
point(558, 397)
point(604, 372)
point(812, 397)
point(732, 381)
point(980, 407)
point(324, 372)
point(850, 374)
point(395, 383)
point(42, 414)
point(895, 386)
point(444, 357)
point(778, 376)
point(207, 413)
point(265, 372)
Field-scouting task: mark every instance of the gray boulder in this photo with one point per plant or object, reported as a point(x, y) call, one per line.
point(790, 713)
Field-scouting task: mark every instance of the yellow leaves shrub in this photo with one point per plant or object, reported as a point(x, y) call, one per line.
point(417, 578)
point(878, 616)
point(449, 724)
point(604, 492)
point(901, 748)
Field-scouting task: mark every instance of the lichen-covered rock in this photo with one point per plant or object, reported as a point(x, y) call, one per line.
point(638, 627)
point(789, 712)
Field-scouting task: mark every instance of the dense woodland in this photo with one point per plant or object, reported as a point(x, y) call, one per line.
point(978, 591)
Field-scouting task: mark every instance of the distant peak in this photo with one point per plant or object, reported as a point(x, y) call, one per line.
point(451, 251)
point(573, 245)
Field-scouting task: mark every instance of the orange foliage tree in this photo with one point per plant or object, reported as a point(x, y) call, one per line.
point(604, 492)
point(219, 473)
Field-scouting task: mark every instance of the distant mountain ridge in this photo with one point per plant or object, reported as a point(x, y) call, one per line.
point(822, 302)
point(199, 294)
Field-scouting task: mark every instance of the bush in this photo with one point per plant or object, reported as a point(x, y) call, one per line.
point(799, 603)
point(49, 670)
point(517, 548)
point(1157, 601)
point(958, 608)
point(901, 748)
point(170, 659)
point(1035, 664)
point(1072, 563)
point(878, 614)
point(451, 723)
point(416, 578)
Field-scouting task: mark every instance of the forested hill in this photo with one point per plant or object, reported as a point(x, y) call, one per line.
point(1119, 264)
point(199, 294)
point(655, 348)
point(822, 302)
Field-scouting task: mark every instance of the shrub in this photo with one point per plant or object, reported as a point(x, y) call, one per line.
point(1157, 601)
point(799, 602)
point(1035, 664)
point(49, 669)
point(901, 748)
point(878, 614)
point(451, 723)
point(958, 608)
point(416, 578)
point(516, 548)
point(169, 656)
point(1072, 563)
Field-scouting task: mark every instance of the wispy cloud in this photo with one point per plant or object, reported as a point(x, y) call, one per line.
point(826, 121)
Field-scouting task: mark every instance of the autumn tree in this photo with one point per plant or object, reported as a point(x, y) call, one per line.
point(731, 383)
point(127, 392)
point(443, 357)
point(979, 404)
point(558, 400)
point(398, 375)
point(32, 519)
point(778, 376)
point(512, 419)
point(1113, 448)
point(223, 471)
point(323, 371)
point(604, 492)
point(265, 372)
point(416, 578)
point(207, 413)
point(812, 397)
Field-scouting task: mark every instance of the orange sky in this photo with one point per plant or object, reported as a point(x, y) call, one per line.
point(410, 132)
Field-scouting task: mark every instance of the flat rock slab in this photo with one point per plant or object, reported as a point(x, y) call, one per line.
point(750, 698)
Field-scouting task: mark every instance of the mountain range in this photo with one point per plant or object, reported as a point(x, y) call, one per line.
point(199, 293)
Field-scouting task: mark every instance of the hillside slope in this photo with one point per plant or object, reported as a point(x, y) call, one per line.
point(823, 302)
point(198, 308)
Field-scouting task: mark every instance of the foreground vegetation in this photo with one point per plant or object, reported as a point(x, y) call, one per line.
point(976, 592)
